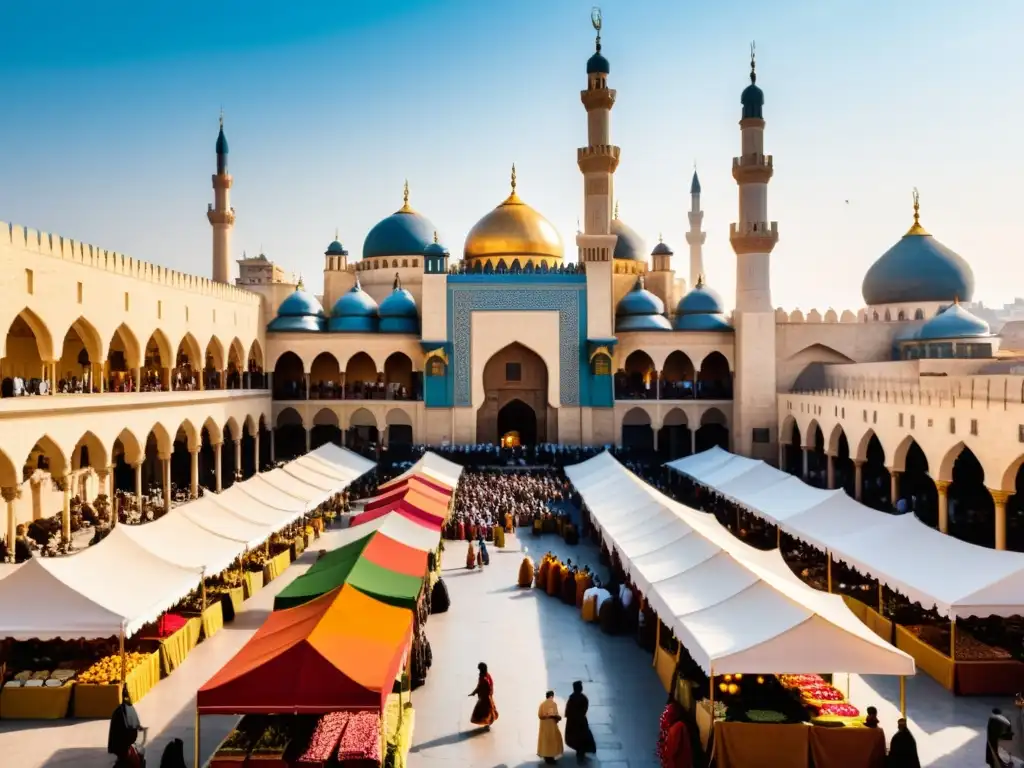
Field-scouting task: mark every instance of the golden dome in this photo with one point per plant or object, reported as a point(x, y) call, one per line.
point(513, 231)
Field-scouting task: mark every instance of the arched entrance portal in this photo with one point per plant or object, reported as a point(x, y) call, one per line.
point(515, 383)
point(517, 424)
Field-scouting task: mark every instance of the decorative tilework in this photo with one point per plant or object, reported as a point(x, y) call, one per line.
point(506, 296)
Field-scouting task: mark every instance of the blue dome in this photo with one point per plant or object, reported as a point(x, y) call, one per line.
point(435, 249)
point(954, 322)
point(598, 65)
point(662, 249)
point(336, 249)
point(630, 245)
point(918, 269)
point(701, 300)
point(752, 100)
point(354, 312)
point(641, 310)
point(701, 322)
point(299, 312)
point(398, 312)
point(404, 233)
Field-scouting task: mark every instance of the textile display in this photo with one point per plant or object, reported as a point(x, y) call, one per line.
point(37, 703)
point(177, 646)
point(758, 745)
point(213, 619)
point(253, 581)
point(844, 747)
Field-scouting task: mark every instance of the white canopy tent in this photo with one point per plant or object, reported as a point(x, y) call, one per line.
point(177, 539)
point(954, 576)
point(394, 526)
point(341, 462)
point(310, 476)
point(734, 608)
point(208, 514)
point(116, 586)
point(308, 496)
point(246, 502)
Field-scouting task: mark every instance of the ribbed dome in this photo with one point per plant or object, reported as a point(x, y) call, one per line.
point(435, 249)
point(354, 312)
point(336, 249)
point(752, 100)
point(299, 312)
point(918, 269)
point(701, 310)
point(511, 231)
point(662, 249)
point(630, 246)
point(403, 233)
point(598, 65)
point(398, 311)
point(641, 310)
point(954, 322)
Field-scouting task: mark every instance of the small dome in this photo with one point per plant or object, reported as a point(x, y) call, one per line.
point(354, 312)
point(641, 310)
point(436, 249)
point(403, 233)
point(954, 322)
point(918, 269)
point(752, 100)
point(630, 246)
point(695, 184)
point(299, 312)
point(336, 249)
point(222, 141)
point(598, 65)
point(702, 300)
point(398, 311)
point(701, 310)
point(662, 249)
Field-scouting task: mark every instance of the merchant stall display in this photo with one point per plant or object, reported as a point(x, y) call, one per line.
point(962, 624)
point(740, 639)
point(133, 605)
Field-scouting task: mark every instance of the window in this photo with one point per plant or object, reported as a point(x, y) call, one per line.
point(29, 282)
point(974, 427)
point(80, 293)
point(913, 419)
point(159, 309)
point(952, 426)
point(435, 367)
point(602, 365)
point(761, 435)
point(901, 419)
point(513, 372)
point(126, 302)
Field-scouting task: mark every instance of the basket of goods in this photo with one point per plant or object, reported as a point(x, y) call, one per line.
point(324, 741)
point(107, 671)
point(361, 739)
point(269, 748)
point(232, 751)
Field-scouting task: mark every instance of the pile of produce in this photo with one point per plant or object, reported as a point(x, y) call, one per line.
point(324, 741)
point(967, 647)
point(361, 738)
point(41, 678)
point(107, 671)
point(273, 741)
point(255, 561)
point(820, 697)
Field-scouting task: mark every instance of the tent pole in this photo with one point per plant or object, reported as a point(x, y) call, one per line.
point(124, 662)
point(712, 698)
point(657, 643)
point(903, 696)
point(828, 554)
point(195, 741)
point(881, 599)
point(952, 639)
point(778, 537)
point(202, 593)
point(737, 519)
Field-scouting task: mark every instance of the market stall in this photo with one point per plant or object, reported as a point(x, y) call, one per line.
point(431, 466)
point(737, 611)
point(900, 552)
point(411, 504)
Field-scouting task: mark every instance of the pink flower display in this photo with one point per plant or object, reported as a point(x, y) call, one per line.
point(839, 709)
point(361, 739)
point(325, 738)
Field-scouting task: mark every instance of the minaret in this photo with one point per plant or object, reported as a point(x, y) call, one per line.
point(220, 213)
point(755, 406)
point(696, 236)
point(597, 162)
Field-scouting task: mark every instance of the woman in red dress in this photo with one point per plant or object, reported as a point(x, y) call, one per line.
point(484, 713)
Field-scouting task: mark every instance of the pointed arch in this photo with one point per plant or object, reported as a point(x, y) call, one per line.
point(289, 417)
point(255, 355)
point(398, 371)
point(47, 448)
point(188, 431)
point(10, 476)
point(188, 348)
point(90, 451)
point(133, 449)
point(326, 417)
point(949, 461)
point(236, 355)
point(251, 426)
point(159, 353)
point(213, 429)
point(125, 343)
point(89, 338)
point(811, 433)
point(231, 426)
point(832, 444)
point(362, 417)
point(24, 326)
point(787, 430)
point(214, 357)
point(163, 438)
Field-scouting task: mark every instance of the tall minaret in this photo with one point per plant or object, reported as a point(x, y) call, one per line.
point(220, 213)
point(696, 236)
point(598, 161)
point(755, 406)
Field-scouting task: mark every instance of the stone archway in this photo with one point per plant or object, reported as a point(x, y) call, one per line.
point(517, 423)
point(515, 373)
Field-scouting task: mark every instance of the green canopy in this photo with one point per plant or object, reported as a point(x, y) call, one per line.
point(347, 565)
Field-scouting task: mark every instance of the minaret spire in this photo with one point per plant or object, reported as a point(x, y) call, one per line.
point(220, 214)
point(696, 236)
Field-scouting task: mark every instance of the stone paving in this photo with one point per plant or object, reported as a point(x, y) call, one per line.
point(531, 643)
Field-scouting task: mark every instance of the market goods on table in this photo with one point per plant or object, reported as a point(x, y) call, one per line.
point(361, 738)
point(967, 647)
point(107, 671)
point(324, 741)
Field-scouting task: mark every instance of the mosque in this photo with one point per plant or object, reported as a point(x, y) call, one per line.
point(513, 343)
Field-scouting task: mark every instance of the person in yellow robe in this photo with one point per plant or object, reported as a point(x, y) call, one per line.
point(471, 557)
point(542, 572)
point(582, 585)
point(509, 523)
point(554, 579)
point(549, 738)
point(526, 572)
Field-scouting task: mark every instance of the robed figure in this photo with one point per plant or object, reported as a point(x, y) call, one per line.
point(577, 730)
point(485, 712)
point(549, 738)
point(124, 730)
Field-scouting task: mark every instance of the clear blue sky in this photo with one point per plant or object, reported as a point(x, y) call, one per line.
point(110, 116)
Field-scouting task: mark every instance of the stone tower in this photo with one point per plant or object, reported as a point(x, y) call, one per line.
point(696, 235)
point(753, 238)
point(598, 161)
point(220, 213)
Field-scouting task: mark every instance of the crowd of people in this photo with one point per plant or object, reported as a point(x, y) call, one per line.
point(488, 498)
